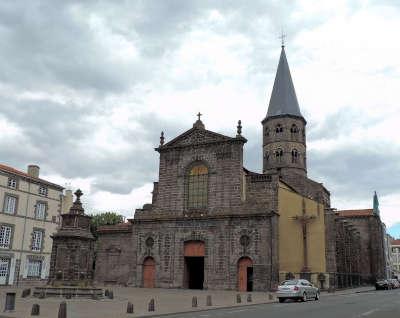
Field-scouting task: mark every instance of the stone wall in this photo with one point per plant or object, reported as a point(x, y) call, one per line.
point(223, 249)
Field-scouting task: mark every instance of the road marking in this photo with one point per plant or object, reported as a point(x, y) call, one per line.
point(367, 313)
point(238, 310)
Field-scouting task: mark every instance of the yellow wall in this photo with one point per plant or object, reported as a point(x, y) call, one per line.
point(291, 234)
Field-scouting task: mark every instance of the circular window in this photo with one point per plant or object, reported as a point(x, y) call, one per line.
point(244, 240)
point(149, 242)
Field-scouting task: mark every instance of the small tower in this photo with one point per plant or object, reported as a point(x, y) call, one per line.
point(73, 248)
point(284, 137)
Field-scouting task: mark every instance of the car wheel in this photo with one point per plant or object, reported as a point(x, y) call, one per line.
point(304, 298)
point(317, 296)
point(281, 300)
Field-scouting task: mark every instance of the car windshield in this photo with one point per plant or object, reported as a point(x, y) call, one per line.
point(290, 282)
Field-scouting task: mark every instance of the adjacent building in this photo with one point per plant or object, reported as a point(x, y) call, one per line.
point(373, 245)
point(29, 214)
point(395, 249)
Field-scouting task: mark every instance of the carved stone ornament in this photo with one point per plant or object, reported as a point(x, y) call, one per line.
point(244, 240)
point(149, 242)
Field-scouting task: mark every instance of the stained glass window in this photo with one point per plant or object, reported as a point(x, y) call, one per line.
point(197, 187)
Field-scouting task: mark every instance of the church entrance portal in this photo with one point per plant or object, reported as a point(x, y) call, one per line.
point(149, 272)
point(245, 274)
point(194, 252)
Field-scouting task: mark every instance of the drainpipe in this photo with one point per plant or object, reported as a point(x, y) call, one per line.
point(23, 232)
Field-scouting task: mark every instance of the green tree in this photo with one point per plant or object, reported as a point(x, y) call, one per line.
point(104, 218)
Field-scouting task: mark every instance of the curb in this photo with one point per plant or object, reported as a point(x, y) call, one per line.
point(243, 306)
point(202, 310)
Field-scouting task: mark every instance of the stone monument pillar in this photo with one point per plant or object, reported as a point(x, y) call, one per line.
point(72, 254)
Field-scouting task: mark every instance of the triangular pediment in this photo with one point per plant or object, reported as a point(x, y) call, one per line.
point(196, 136)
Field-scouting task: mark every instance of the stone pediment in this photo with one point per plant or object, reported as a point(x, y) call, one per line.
point(196, 136)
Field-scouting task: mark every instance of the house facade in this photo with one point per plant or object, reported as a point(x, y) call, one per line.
point(30, 213)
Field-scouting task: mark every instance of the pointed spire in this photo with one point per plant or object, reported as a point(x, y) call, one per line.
point(283, 98)
point(376, 204)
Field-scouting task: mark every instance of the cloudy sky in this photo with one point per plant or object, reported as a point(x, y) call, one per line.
point(87, 86)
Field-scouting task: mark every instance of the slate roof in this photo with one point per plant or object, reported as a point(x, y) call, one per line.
point(283, 97)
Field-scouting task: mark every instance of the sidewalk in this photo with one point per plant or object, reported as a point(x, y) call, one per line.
point(166, 301)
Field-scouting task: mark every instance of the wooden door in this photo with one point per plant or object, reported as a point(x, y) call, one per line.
point(149, 272)
point(243, 264)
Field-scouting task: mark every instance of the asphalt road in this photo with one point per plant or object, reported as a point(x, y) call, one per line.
point(374, 304)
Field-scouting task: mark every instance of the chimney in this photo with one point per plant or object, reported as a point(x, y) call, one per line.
point(33, 171)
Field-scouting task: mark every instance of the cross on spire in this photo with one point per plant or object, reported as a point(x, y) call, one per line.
point(199, 115)
point(282, 37)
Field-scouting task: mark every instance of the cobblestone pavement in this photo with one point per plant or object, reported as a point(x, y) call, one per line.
point(166, 301)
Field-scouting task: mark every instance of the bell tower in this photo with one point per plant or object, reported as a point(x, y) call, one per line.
point(284, 135)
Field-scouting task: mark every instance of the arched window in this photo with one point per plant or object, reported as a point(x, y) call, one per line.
point(278, 129)
point(294, 131)
point(278, 155)
point(267, 131)
point(197, 187)
point(266, 157)
point(295, 155)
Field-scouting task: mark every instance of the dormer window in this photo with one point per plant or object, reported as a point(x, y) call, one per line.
point(295, 155)
point(43, 190)
point(12, 183)
point(279, 155)
point(279, 129)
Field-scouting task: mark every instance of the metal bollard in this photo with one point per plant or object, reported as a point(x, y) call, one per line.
point(249, 299)
point(151, 305)
point(62, 311)
point(35, 310)
point(129, 308)
point(238, 299)
point(194, 301)
point(209, 302)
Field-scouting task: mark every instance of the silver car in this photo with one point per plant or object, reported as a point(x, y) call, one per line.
point(299, 289)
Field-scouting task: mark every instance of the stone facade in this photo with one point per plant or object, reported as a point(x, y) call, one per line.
point(239, 220)
point(371, 247)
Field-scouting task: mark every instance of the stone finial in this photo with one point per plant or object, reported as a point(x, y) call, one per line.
point(199, 124)
point(162, 139)
point(239, 128)
point(77, 206)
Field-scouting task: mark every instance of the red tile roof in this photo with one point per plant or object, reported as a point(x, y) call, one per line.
point(9, 169)
point(361, 212)
point(396, 242)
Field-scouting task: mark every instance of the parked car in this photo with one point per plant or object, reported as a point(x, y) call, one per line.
point(383, 284)
point(298, 289)
point(395, 283)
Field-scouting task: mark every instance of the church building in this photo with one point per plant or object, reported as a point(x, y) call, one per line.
point(213, 224)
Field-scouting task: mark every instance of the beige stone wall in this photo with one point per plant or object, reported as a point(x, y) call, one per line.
point(24, 222)
point(291, 235)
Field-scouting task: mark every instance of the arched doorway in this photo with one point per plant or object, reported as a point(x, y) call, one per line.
point(245, 274)
point(149, 272)
point(194, 252)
